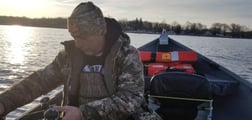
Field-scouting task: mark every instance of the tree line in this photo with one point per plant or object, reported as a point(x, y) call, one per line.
point(189, 28)
point(38, 22)
point(138, 25)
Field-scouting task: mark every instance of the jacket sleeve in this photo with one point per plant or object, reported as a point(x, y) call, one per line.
point(38, 83)
point(129, 91)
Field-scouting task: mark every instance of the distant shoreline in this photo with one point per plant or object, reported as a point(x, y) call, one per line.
point(139, 26)
point(186, 35)
point(137, 32)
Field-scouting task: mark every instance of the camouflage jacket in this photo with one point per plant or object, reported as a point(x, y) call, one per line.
point(123, 73)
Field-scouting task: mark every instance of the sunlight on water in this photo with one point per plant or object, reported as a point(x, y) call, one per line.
point(17, 36)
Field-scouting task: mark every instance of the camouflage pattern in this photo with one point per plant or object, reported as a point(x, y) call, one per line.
point(147, 116)
point(127, 79)
point(86, 18)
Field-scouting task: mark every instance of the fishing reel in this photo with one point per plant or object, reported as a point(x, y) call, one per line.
point(49, 112)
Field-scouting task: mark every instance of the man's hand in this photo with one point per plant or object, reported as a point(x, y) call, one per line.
point(71, 112)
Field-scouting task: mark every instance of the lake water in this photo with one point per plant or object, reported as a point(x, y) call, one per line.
point(27, 49)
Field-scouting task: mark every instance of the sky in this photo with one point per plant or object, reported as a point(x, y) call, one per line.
point(206, 12)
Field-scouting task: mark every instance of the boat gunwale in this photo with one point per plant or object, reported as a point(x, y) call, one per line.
point(221, 67)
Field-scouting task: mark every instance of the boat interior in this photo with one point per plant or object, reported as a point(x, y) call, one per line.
point(180, 95)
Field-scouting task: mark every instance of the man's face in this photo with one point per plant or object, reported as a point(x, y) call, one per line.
point(90, 44)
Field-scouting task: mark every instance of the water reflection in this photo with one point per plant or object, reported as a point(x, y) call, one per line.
point(16, 39)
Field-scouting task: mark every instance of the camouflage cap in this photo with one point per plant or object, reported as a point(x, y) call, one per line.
point(86, 19)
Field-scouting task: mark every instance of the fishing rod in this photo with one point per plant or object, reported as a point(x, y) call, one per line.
point(47, 111)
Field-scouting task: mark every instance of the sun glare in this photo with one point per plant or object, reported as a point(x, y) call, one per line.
point(17, 36)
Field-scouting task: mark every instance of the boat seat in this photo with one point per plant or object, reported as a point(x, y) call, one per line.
point(179, 94)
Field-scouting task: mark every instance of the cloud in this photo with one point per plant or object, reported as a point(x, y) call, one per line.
point(181, 11)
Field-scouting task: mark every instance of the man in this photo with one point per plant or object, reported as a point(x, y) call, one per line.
point(102, 74)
